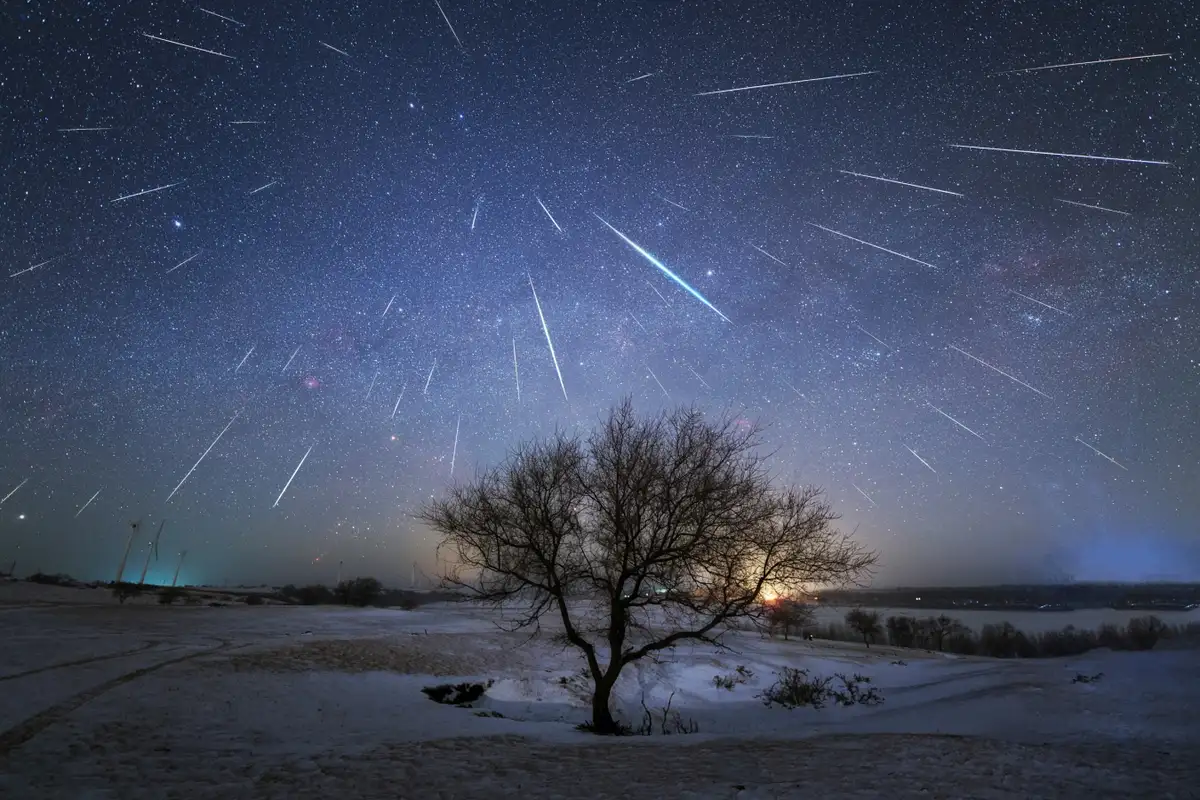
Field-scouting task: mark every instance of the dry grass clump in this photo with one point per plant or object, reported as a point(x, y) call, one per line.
point(427, 654)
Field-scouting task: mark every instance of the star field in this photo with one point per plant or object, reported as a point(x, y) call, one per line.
point(320, 230)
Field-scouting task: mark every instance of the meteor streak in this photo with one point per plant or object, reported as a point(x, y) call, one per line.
point(959, 424)
point(1083, 63)
point(454, 452)
point(516, 372)
point(784, 83)
point(864, 494)
point(74, 130)
point(146, 191)
point(642, 77)
point(747, 136)
point(371, 387)
point(264, 186)
point(1002, 372)
point(289, 361)
point(188, 46)
point(899, 183)
point(448, 25)
point(334, 49)
point(1098, 208)
point(1039, 302)
point(639, 323)
point(430, 377)
point(247, 122)
point(35, 266)
point(1060, 155)
point(918, 458)
point(289, 480)
point(389, 307)
point(1102, 455)
point(549, 341)
point(548, 214)
point(181, 263)
point(660, 386)
point(768, 255)
point(663, 267)
point(873, 336)
point(88, 503)
point(868, 244)
point(702, 381)
point(243, 361)
point(398, 399)
point(657, 292)
point(672, 202)
point(475, 216)
point(14, 491)
point(201, 458)
point(220, 16)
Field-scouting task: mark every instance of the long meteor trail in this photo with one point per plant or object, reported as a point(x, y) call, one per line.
point(1084, 63)
point(548, 214)
point(243, 361)
point(289, 480)
point(35, 266)
point(221, 16)
point(1097, 208)
point(1102, 455)
point(1039, 302)
point(784, 83)
point(768, 255)
point(868, 244)
point(188, 46)
point(14, 491)
point(88, 503)
point(549, 341)
point(663, 267)
point(660, 386)
point(264, 186)
point(448, 25)
point(864, 494)
point(516, 372)
point(334, 49)
point(389, 307)
point(900, 183)
point(146, 191)
point(959, 424)
point(289, 361)
point(1061, 155)
point(918, 458)
point(181, 263)
point(672, 202)
point(429, 377)
point(454, 452)
point(77, 130)
point(1002, 372)
point(201, 458)
point(398, 399)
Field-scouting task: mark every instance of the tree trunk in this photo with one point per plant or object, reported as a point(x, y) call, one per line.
point(602, 719)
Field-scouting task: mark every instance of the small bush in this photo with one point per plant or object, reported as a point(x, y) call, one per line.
point(51, 580)
point(456, 694)
point(901, 631)
point(169, 594)
point(253, 600)
point(794, 688)
point(852, 692)
point(1081, 678)
point(669, 721)
point(1144, 632)
point(739, 676)
point(619, 729)
point(312, 595)
point(360, 592)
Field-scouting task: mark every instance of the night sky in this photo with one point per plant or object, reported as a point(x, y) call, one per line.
point(339, 198)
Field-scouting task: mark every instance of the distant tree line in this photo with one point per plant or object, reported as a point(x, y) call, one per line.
point(946, 634)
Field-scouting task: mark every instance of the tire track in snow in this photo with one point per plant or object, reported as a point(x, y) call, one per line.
point(79, 662)
point(21, 733)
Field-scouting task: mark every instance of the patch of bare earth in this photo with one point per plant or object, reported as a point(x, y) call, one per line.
point(424, 654)
point(501, 767)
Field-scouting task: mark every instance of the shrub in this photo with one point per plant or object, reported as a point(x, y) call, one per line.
point(902, 631)
point(738, 676)
point(787, 616)
point(125, 590)
point(312, 595)
point(669, 721)
point(1144, 632)
point(169, 594)
point(358, 592)
point(51, 580)
point(1081, 678)
point(852, 693)
point(795, 688)
point(253, 600)
point(456, 694)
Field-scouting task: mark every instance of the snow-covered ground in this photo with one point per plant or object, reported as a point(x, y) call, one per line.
point(104, 701)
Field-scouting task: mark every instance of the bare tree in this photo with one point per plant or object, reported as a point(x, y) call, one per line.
point(787, 616)
point(866, 623)
point(648, 533)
